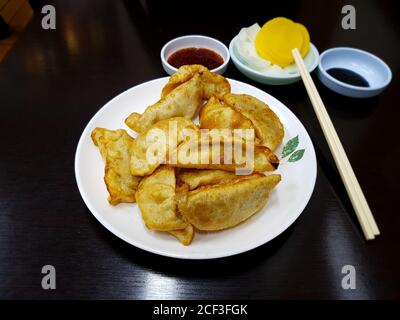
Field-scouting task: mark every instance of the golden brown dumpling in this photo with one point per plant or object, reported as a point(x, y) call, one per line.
point(267, 125)
point(156, 199)
point(182, 96)
point(195, 178)
point(185, 236)
point(183, 101)
point(115, 147)
point(213, 84)
point(217, 115)
point(199, 154)
point(223, 206)
point(140, 164)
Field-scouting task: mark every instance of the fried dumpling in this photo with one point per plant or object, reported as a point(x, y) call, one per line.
point(115, 146)
point(217, 115)
point(223, 155)
point(213, 84)
point(184, 101)
point(267, 125)
point(195, 178)
point(223, 206)
point(149, 150)
point(185, 236)
point(184, 74)
point(182, 96)
point(156, 199)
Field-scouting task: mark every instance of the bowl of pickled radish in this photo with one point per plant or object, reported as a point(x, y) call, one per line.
point(264, 54)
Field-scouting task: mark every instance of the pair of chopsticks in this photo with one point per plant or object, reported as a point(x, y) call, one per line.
point(357, 198)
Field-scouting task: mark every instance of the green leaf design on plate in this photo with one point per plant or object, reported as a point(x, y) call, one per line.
point(290, 146)
point(296, 156)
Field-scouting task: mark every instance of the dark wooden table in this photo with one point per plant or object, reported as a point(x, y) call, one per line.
point(53, 82)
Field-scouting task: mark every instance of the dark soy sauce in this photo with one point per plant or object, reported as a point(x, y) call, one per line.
point(348, 77)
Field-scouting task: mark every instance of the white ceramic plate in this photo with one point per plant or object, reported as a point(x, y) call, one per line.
point(285, 205)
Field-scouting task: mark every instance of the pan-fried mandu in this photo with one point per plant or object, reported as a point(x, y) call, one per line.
point(183, 101)
point(185, 236)
point(182, 96)
point(196, 178)
point(139, 164)
point(267, 125)
point(190, 155)
point(223, 206)
point(156, 199)
point(217, 115)
point(213, 84)
point(115, 147)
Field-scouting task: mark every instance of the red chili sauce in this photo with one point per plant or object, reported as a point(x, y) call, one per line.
point(205, 57)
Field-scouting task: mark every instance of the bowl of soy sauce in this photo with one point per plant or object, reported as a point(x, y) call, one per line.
point(353, 72)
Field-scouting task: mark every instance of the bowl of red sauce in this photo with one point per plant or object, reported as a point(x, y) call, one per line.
point(195, 49)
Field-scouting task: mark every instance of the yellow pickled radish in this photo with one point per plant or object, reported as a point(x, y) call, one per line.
point(306, 39)
point(270, 56)
point(277, 38)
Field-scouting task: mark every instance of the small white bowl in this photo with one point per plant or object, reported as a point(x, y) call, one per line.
point(194, 41)
point(370, 67)
point(311, 61)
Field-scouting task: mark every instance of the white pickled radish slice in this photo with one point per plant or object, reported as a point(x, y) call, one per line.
point(248, 54)
point(252, 32)
point(274, 69)
point(242, 36)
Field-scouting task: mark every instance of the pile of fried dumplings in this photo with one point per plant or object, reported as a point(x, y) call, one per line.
point(179, 197)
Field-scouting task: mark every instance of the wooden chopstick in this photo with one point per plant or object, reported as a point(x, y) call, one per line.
point(357, 198)
point(351, 183)
point(339, 146)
